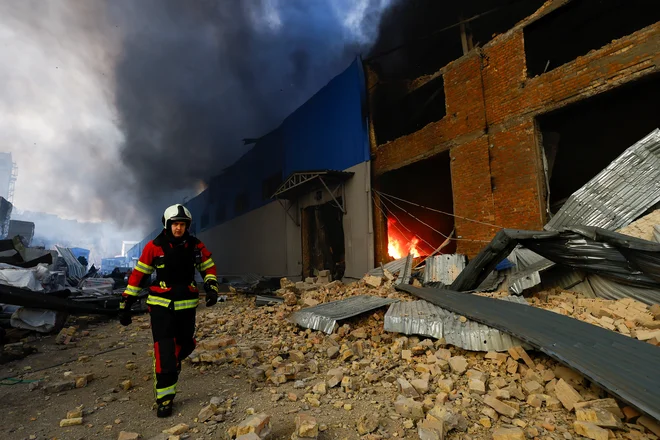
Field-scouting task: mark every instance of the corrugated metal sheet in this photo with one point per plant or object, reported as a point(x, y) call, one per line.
point(492, 282)
point(656, 233)
point(608, 289)
point(444, 268)
point(426, 319)
point(97, 286)
point(76, 269)
point(569, 279)
point(324, 316)
point(251, 278)
point(524, 278)
point(394, 267)
point(406, 272)
point(624, 366)
point(618, 194)
point(267, 300)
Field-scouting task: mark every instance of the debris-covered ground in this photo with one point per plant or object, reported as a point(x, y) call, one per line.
point(254, 372)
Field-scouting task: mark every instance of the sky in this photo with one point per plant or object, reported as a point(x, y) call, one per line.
point(114, 109)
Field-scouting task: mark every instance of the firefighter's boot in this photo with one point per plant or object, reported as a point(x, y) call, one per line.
point(165, 406)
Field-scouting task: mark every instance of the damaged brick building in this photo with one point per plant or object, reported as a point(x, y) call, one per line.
point(499, 132)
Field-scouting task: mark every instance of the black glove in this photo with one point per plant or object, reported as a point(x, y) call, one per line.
point(211, 288)
point(125, 311)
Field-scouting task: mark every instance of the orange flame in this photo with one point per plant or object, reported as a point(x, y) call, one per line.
point(398, 245)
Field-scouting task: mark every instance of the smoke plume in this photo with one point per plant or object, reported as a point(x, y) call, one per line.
point(194, 78)
point(113, 109)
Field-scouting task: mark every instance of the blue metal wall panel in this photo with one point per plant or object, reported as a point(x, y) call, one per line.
point(329, 131)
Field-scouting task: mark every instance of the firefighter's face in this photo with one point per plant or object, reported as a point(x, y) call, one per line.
point(178, 229)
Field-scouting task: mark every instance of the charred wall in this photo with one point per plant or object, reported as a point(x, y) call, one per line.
point(581, 26)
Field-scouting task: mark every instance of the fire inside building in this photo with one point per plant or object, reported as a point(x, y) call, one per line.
point(463, 120)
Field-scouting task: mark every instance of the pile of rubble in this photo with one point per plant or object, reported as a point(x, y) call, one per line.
point(40, 289)
point(626, 316)
point(420, 384)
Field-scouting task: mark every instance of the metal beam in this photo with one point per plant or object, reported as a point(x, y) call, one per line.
point(286, 210)
point(339, 205)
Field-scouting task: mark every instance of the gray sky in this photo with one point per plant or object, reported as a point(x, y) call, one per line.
point(98, 94)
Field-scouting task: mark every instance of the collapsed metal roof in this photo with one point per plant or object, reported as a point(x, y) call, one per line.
point(616, 256)
point(444, 268)
point(426, 319)
point(324, 316)
point(402, 267)
point(624, 366)
point(618, 194)
point(76, 269)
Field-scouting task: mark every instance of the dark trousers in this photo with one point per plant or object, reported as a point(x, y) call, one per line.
point(174, 340)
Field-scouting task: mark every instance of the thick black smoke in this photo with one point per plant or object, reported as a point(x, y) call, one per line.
point(195, 77)
point(113, 109)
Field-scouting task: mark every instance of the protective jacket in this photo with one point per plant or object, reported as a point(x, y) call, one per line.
point(175, 262)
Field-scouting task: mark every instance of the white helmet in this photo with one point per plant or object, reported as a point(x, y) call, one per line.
point(176, 213)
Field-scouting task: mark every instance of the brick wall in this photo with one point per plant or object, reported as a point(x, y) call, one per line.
point(490, 130)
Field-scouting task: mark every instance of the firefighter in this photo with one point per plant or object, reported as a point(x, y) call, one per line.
point(173, 298)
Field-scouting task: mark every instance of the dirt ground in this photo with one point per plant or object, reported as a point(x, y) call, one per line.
point(108, 409)
point(253, 360)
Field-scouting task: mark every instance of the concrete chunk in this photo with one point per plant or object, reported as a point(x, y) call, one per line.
point(256, 423)
point(373, 281)
point(320, 389)
point(207, 412)
point(420, 385)
point(446, 385)
point(500, 407)
point(409, 408)
point(567, 394)
point(655, 311)
point(458, 364)
point(532, 387)
point(306, 427)
point(368, 423)
point(74, 414)
point(508, 434)
point(599, 417)
point(590, 430)
point(406, 389)
point(58, 387)
point(443, 353)
point(477, 386)
point(535, 400)
point(649, 424)
point(177, 430)
point(71, 422)
point(606, 404)
point(335, 376)
point(250, 436)
point(297, 356)
point(431, 430)
point(123, 435)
